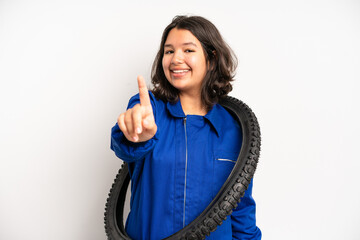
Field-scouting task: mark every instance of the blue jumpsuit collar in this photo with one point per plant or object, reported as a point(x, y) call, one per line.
point(213, 116)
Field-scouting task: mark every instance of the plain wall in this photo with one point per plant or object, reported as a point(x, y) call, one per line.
point(68, 68)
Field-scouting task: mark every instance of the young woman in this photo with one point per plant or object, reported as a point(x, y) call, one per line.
point(180, 144)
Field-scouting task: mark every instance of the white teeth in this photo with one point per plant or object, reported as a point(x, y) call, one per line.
point(180, 71)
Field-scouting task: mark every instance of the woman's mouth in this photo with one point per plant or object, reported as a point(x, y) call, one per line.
point(179, 72)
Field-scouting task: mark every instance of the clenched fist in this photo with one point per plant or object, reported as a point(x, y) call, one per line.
point(138, 123)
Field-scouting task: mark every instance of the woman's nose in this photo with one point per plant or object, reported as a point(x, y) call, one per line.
point(178, 58)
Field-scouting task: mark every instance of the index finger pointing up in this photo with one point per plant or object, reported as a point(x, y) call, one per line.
point(143, 92)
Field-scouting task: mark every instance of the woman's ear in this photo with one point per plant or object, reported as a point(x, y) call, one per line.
point(214, 53)
point(213, 60)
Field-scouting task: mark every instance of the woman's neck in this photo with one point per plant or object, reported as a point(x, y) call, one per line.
point(192, 105)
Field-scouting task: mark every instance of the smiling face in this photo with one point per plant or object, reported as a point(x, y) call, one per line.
point(184, 62)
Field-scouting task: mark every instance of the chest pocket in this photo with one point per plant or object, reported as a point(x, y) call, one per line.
point(224, 162)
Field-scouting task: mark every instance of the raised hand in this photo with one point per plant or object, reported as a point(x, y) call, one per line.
point(138, 123)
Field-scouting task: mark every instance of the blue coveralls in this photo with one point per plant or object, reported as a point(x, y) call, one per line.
point(176, 174)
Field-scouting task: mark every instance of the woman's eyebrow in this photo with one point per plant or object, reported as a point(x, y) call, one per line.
point(190, 43)
point(184, 44)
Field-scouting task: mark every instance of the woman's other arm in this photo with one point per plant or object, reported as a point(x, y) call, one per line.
point(243, 218)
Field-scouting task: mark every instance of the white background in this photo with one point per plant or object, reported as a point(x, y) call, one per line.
point(68, 68)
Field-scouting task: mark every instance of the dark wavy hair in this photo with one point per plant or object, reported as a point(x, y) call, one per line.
point(221, 60)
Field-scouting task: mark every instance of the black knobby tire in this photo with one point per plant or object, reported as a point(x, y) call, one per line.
point(225, 201)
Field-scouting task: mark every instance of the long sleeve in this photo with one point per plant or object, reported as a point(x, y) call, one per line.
point(243, 218)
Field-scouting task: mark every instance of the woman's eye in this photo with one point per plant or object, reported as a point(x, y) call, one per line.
point(189, 50)
point(169, 51)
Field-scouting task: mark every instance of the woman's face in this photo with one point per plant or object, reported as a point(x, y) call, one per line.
point(184, 62)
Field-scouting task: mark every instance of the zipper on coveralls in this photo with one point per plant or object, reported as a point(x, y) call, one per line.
point(186, 159)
